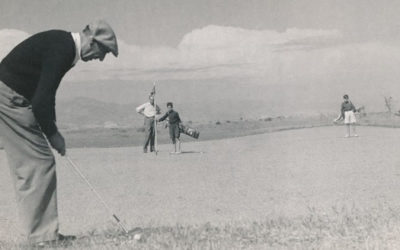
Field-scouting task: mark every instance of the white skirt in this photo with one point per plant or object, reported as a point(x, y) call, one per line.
point(349, 117)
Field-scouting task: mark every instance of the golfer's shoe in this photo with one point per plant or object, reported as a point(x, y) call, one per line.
point(61, 241)
point(355, 135)
point(144, 150)
point(152, 149)
point(346, 136)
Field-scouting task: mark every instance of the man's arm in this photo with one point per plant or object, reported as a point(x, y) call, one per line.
point(342, 111)
point(54, 66)
point(163, 117)
point(140, 109)
point(353, 107)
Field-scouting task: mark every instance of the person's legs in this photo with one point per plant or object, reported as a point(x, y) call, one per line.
point(353, 123)
point(152, 135)
point(32, 167)
point(347, 123)
point(178, 143)
point(172, 136)
point(147, 133)
point(177, 136)
point(347, 130)
point(354, 129)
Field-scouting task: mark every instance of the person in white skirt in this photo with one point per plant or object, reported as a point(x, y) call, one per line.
point(347, 111)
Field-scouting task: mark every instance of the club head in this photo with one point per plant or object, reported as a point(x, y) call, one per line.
point(136, 234)
point(135, 231)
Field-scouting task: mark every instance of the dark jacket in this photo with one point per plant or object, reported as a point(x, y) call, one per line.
point(173, 117)
point(34, 69)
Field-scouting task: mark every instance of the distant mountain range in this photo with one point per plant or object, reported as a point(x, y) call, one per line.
point(94, 104)
point(90, 104)
point(84, 112)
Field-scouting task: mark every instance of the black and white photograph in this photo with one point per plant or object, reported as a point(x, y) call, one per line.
point(199, 124)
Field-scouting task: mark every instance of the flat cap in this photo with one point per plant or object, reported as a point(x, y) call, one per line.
point(104, 34)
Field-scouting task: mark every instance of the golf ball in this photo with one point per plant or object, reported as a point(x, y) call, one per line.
point(137, 236)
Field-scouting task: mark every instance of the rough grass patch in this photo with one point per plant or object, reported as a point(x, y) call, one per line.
point(341, 228)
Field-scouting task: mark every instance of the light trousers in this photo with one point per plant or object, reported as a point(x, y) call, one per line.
point(32, 166)
point(149, 133)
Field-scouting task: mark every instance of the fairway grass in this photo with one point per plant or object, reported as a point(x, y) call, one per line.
point(293, 189)
point(341, 228)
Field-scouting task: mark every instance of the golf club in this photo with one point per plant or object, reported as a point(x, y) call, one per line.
point(96, 193)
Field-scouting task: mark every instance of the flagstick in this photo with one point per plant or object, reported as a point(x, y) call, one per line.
point(155, 121)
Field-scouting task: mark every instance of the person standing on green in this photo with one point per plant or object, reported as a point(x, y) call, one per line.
point(174, 131)
point(149, 110)
point(347, 110)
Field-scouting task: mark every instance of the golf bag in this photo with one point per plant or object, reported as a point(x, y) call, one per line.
point(189, 131)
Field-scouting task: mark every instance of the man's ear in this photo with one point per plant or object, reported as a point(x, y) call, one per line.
point(91, 40)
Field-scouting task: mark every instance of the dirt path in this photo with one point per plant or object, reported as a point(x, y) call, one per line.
point(247, 178)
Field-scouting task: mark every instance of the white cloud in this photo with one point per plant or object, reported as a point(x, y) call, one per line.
point(210, 52)
point(213, 52)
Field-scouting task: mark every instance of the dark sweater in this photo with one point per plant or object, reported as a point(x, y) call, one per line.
point(173, 117)
point(34, 69)
point(347, 106)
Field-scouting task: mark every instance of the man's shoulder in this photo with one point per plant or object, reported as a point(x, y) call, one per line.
point(52, 35)
point(47, 39)
point(51, 40)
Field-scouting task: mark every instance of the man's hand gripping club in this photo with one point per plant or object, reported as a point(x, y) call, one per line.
point(58, 143)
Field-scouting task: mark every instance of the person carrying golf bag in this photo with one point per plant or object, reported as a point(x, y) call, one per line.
point(174, 131)
point(29, 77)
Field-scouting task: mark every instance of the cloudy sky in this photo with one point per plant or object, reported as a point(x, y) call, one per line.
point(343, 42)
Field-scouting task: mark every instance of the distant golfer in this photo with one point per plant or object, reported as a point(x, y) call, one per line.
point(29, 77)
point(347, 111)
point(174, 122)
point(149, 110)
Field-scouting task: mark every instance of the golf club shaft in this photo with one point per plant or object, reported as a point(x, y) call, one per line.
point(95, 192)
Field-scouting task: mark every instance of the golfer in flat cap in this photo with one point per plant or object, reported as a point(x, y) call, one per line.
point(29, 77)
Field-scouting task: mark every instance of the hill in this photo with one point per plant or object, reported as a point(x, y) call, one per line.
point(84, 112)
